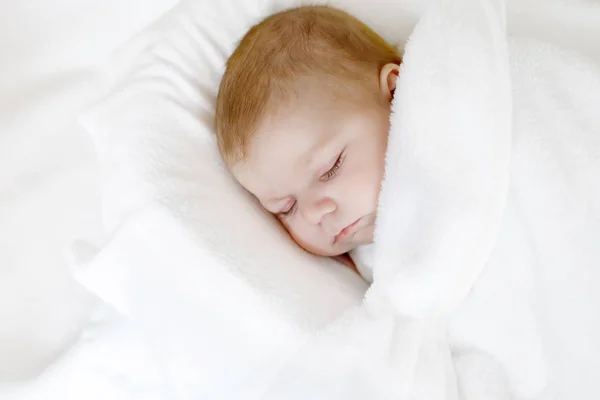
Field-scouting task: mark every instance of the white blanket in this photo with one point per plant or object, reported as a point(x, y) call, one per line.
point(206, 308)
point(486, 262)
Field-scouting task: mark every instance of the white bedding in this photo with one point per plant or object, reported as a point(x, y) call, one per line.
point(49, 194)
point(485, 264)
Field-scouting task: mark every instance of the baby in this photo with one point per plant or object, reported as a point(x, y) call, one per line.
point(302, 122)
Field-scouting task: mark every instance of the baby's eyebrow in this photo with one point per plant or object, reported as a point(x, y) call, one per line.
point(321, 152)
point(311, 158)
point(317, 154)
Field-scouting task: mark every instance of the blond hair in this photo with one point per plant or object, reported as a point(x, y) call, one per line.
point(280, 50)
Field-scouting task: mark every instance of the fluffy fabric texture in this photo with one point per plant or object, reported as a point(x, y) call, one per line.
point(216, 310)
point(214, 288)
point(485, 263)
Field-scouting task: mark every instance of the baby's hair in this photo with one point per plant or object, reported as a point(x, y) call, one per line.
point(274, 55)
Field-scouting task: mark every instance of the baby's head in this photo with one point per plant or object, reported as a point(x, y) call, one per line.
point(302, 123)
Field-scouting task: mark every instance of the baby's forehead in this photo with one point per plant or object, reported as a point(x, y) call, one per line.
point(277, 159)
point(288, 147)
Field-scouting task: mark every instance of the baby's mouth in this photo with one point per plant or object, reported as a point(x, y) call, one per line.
point(347, 231)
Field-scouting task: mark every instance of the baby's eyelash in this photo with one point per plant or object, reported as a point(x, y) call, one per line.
point(289, 212)
point(333, 170)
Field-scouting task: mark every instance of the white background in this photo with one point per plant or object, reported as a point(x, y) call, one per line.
point(50, 55)
point(51, 52)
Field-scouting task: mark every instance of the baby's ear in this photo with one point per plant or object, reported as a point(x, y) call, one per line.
point(387, 79)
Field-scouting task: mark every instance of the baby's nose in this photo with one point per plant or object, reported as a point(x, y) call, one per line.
point(317, 210)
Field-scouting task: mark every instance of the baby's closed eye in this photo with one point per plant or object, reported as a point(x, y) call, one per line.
point(330, 174)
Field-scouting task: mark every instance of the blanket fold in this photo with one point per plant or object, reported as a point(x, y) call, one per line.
point(489, 196)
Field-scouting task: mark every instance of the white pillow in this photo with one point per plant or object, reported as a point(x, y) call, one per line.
point(221, 293)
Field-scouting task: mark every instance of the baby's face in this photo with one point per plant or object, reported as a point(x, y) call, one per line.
point(318, 166)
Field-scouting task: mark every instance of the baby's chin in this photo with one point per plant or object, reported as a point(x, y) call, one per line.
point(327, 250)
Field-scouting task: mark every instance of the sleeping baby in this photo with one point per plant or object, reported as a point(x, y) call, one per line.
point(302, 122)
point(488, 217)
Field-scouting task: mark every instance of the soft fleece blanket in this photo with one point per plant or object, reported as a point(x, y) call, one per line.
point(486, 260)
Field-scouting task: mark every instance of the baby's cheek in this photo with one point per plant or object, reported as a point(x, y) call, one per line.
point(300, 233)
point(367, 188)
point(307, 238)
